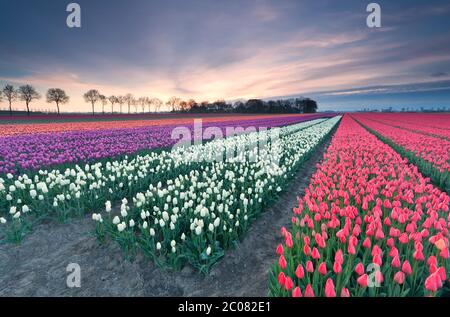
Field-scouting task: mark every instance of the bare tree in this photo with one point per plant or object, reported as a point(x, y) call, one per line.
point(11, 94)
point(113, 99)
point(92, 96)
point(104, 102)
point(143, 101)
point(156, 103)
point(173, 103)
point(129, 98)
point(120, 101)
point(135, 104)
point(58, 96)
point(27, 93)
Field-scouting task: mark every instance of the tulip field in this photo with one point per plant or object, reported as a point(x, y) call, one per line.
point(369, 224)
point(373, 219)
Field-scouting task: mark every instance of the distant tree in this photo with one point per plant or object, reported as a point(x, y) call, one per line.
point(58, 96)
point(173, 103)
point(129, 99)
point(104, 102)
point(156, 103)
point(310, 106)
point(113, 99)
point(120, 101)
point(27, 93)
point(92, 96)
point(143, 102)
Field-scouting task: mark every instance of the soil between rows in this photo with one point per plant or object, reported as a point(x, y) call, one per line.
point(37, 267)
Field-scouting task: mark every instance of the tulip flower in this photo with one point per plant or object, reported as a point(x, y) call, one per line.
point(309, 292)
point(345, 292)
point(282, 262)
point(281, 278)
point(406, 267)
point(297, 292)
point(309, 267)
point(299, 272)
point(399, 277)
point(288, 284)
point(363, 280)
point(329, 288)
point(322, 269)
point(359, 269)
point(280, 249)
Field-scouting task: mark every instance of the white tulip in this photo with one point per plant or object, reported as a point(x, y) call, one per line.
point(116, 220)
point(158, 246)
point(2, 220)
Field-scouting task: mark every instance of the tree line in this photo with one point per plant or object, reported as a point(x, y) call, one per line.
point(28, 93)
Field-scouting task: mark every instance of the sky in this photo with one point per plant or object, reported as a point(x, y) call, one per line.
point(234, 49)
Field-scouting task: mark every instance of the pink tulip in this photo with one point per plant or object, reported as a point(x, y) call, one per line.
point(345, 292)
point(282, 262)
point(280, 249)
point(329, 288)
point(299, 272)
point(309, 267)
point(309, 292)
point(297, 292)
point(322, 268)
point(359, 269)
point(363, 280)
point(406, 268)
point(399, 277)
point(288, 284)
point(281, 278)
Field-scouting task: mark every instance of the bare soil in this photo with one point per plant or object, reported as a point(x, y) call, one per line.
point(37, 267)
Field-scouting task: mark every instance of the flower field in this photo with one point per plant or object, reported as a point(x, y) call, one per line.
point(430, 151)
point(369, 224)
point(372, 221)
point(25, 152)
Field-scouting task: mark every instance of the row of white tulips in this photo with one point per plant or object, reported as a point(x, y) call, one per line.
point(74, 191)
point(195, 215)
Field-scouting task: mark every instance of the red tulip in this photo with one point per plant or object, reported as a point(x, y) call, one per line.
point(399, 277)
point(403, 238)
point(396, 262)
point(281, 278)
point(366, 244)
point(406, 267)
point(297, 292)
point(393, 252)
point(379, 278)
point(345, 292)
point(359, 269)
point(299, 272)
point(280, 249)
point(282, 262)
point(309, 267)
point(337, 267)
point(288, 284)
point(418, 255)
point(322, 268)
point(309, 292)
point(329, 288)
point(444, 253)
point(315, 254)
point(288, 241)
point(390, 242)
point(306, 249)
point(433, 282)
point(339, 256)
point(363, 280)
point(432, 260)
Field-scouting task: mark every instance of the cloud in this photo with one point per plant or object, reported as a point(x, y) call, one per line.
point(439, 74)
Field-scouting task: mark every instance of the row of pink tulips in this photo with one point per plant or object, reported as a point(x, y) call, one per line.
point(369, 224)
